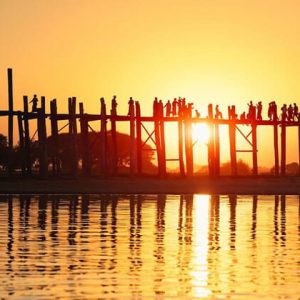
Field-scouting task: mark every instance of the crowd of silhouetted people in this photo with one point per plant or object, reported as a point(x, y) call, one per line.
point(180, 107)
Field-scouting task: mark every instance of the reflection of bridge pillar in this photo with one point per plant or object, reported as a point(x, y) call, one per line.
point(254, 217)
point(232, 203)
point(283, 219)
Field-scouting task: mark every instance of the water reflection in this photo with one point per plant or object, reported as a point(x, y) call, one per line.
point(145, 245)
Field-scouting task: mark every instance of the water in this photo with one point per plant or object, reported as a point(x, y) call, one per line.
point(118, 247)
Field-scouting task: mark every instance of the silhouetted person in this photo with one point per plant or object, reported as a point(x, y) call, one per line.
point(168, 108)
point(295, 111)
point(270, 113)
point(114, 105)
point(290, 113)
point(243, 116)
point(174, 107)
point(284, 112)
point(160, 108)
point(189, 110)
point(218, 114)
point(197, 114)
point(155, 106)
point(259, 111)
point(231, 112)
point(34, 102)
point(131, 107)
point(179, 107)
point(251, 111)
point(275, 116)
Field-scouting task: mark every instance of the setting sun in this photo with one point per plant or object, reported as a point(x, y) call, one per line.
point(200, 133)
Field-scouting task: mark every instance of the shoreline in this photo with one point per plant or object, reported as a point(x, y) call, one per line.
point(124, 185)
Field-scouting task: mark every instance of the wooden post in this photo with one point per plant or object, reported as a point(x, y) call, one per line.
point(42, 138)
point(54, 134)
point(84, 129)
point(188, 146)
point(158, 145)
point(27, 156)
point(254, 149)
point(232, 142)
point(114, 150)
point(283, 148)
point(276, 155)
point(163, 147)
point(217, 150)
point(21, 142)
point(180, 147)
point(299, 150)
point(132, 137)
point(73, 136)
point(103, 144)
point(211, 146)
point(10, 120)
point(138, 137)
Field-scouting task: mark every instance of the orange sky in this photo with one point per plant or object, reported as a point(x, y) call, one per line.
point(220, 51)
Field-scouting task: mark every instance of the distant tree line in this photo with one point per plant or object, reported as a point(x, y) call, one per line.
point(123, 156)
point(63, 153)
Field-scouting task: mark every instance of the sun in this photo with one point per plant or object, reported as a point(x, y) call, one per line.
point(200, 133)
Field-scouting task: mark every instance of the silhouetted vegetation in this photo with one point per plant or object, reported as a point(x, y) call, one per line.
point(242, 168)
point(290, 169)
point(123, 152)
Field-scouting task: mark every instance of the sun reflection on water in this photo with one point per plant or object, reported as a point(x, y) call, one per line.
point(199, 263)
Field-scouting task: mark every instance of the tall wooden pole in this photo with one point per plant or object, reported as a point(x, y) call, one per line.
point(73, 136)
point(10, 120)
point(283, 148)
point(158, 144)
point(180, 147)
point(27, 143)
point(211, 146)
point(103, 145)
point(299, 149)
point(276, 155)
point(217, 150)
point(84, 129)
point(138, 138)
point(163, 147)
point(232, 141)
point(42, 137)
point(114, 149)
point(188, 146)
point(254, 149)
point(132, 137)
point(54, 134)
point(21, 142)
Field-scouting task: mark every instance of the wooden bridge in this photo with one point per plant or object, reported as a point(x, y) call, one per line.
point(137, 124)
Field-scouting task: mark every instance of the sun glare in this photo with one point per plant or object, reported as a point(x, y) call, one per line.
point(200, 133)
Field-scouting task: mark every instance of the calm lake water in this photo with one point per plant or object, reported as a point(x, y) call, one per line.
point(116, 247)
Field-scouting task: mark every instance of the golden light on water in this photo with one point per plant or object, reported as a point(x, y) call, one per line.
point(199, 262)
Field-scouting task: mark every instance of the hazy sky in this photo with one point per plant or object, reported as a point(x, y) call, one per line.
point(219, 51)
